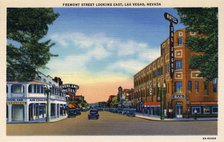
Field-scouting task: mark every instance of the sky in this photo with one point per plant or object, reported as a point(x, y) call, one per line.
point(101, 49)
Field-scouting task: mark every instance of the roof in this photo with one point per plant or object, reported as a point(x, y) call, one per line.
point(204, 103)
point(30, 82)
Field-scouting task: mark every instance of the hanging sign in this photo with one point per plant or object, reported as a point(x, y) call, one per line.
point(172, 20)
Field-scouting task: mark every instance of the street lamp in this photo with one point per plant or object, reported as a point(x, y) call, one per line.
point(47, 92)
point(188, 109)
point(162, 101)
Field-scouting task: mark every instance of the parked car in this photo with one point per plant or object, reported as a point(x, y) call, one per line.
point(84, 109)
point(78, 111)
point(130, 113)
point(72, 113)
point(119, 110)
point(93, 113)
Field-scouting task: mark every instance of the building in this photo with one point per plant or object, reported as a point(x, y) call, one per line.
point(183, 93)
point(70, 89)
point(127, 95)
point(124, 97)
point(29, 102)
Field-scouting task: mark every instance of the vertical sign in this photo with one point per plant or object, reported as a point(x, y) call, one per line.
point(171, 50)
point(151, 89)
point(172, 20)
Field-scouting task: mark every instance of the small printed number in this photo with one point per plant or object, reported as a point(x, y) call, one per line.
point(209, 138)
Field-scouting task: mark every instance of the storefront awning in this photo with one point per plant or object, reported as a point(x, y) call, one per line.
point(203, 103)
point(152, 104)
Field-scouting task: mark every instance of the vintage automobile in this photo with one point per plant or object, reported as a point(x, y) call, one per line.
point(130, 113)
point(72, 113)
point(93, 114)
point(78, 111)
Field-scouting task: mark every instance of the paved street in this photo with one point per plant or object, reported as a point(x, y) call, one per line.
point(114, 124)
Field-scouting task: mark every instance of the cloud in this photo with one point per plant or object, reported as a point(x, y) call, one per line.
point(129, 66)
point(86, 55)
point(68, 64)
point(98, 53)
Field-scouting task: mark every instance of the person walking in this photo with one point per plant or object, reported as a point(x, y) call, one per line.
point(195, 114)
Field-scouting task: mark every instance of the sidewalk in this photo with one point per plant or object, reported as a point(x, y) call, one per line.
point(41, 120)
point(157, 118)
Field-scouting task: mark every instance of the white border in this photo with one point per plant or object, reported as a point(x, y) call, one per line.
point(165, 3)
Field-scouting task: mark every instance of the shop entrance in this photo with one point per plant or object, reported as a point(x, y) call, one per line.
point(179, 109)
point(17, 113)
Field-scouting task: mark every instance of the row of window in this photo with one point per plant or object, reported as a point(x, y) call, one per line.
point(214, 86)
point(33, 88)
point(158, 72)
point(178, 88)
point(179, 43)
point(177, 66)
point(205, 110)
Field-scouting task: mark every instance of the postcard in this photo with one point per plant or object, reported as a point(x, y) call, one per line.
point(112, 70)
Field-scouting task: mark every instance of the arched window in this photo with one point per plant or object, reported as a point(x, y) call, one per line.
point(17, 88)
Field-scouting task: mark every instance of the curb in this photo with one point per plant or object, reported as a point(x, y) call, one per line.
point(158, 119)
point(33, 122)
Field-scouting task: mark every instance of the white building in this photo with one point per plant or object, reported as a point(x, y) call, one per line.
point(27, 101)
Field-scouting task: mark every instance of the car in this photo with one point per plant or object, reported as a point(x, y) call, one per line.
point(119, 110)
point(130, 113)
point(78, 111)
point(72, 113)
point(93, 113)
point(84, 109)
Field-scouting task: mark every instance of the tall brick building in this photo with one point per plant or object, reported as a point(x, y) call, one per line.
point(184, 93)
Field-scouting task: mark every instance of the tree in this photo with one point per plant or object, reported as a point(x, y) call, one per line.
point(27, 49)
point(114, 102)
point(205, 22)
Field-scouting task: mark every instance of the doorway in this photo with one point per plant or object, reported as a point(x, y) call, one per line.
point(179, 110)
point(17, 112)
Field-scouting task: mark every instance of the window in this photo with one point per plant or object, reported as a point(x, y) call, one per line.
point(30, 88)
point(214, 110)
point(214, 84)
point(178, 87)
point(206, 110)
point(192, 33)
point(197, 108)
point(17, 88)
point(206, 87)
point(189, 86)
point(178, 64)
point(163, 51)
point(196, 86)
point(36, 88)
point(6, 88)
point(180, 41)
point(167, 68)
point(180, 33)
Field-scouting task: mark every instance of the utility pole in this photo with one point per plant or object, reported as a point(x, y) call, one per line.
point(47, 91)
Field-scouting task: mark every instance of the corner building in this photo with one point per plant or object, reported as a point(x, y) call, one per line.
point(184, 93)
point(28, 101)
